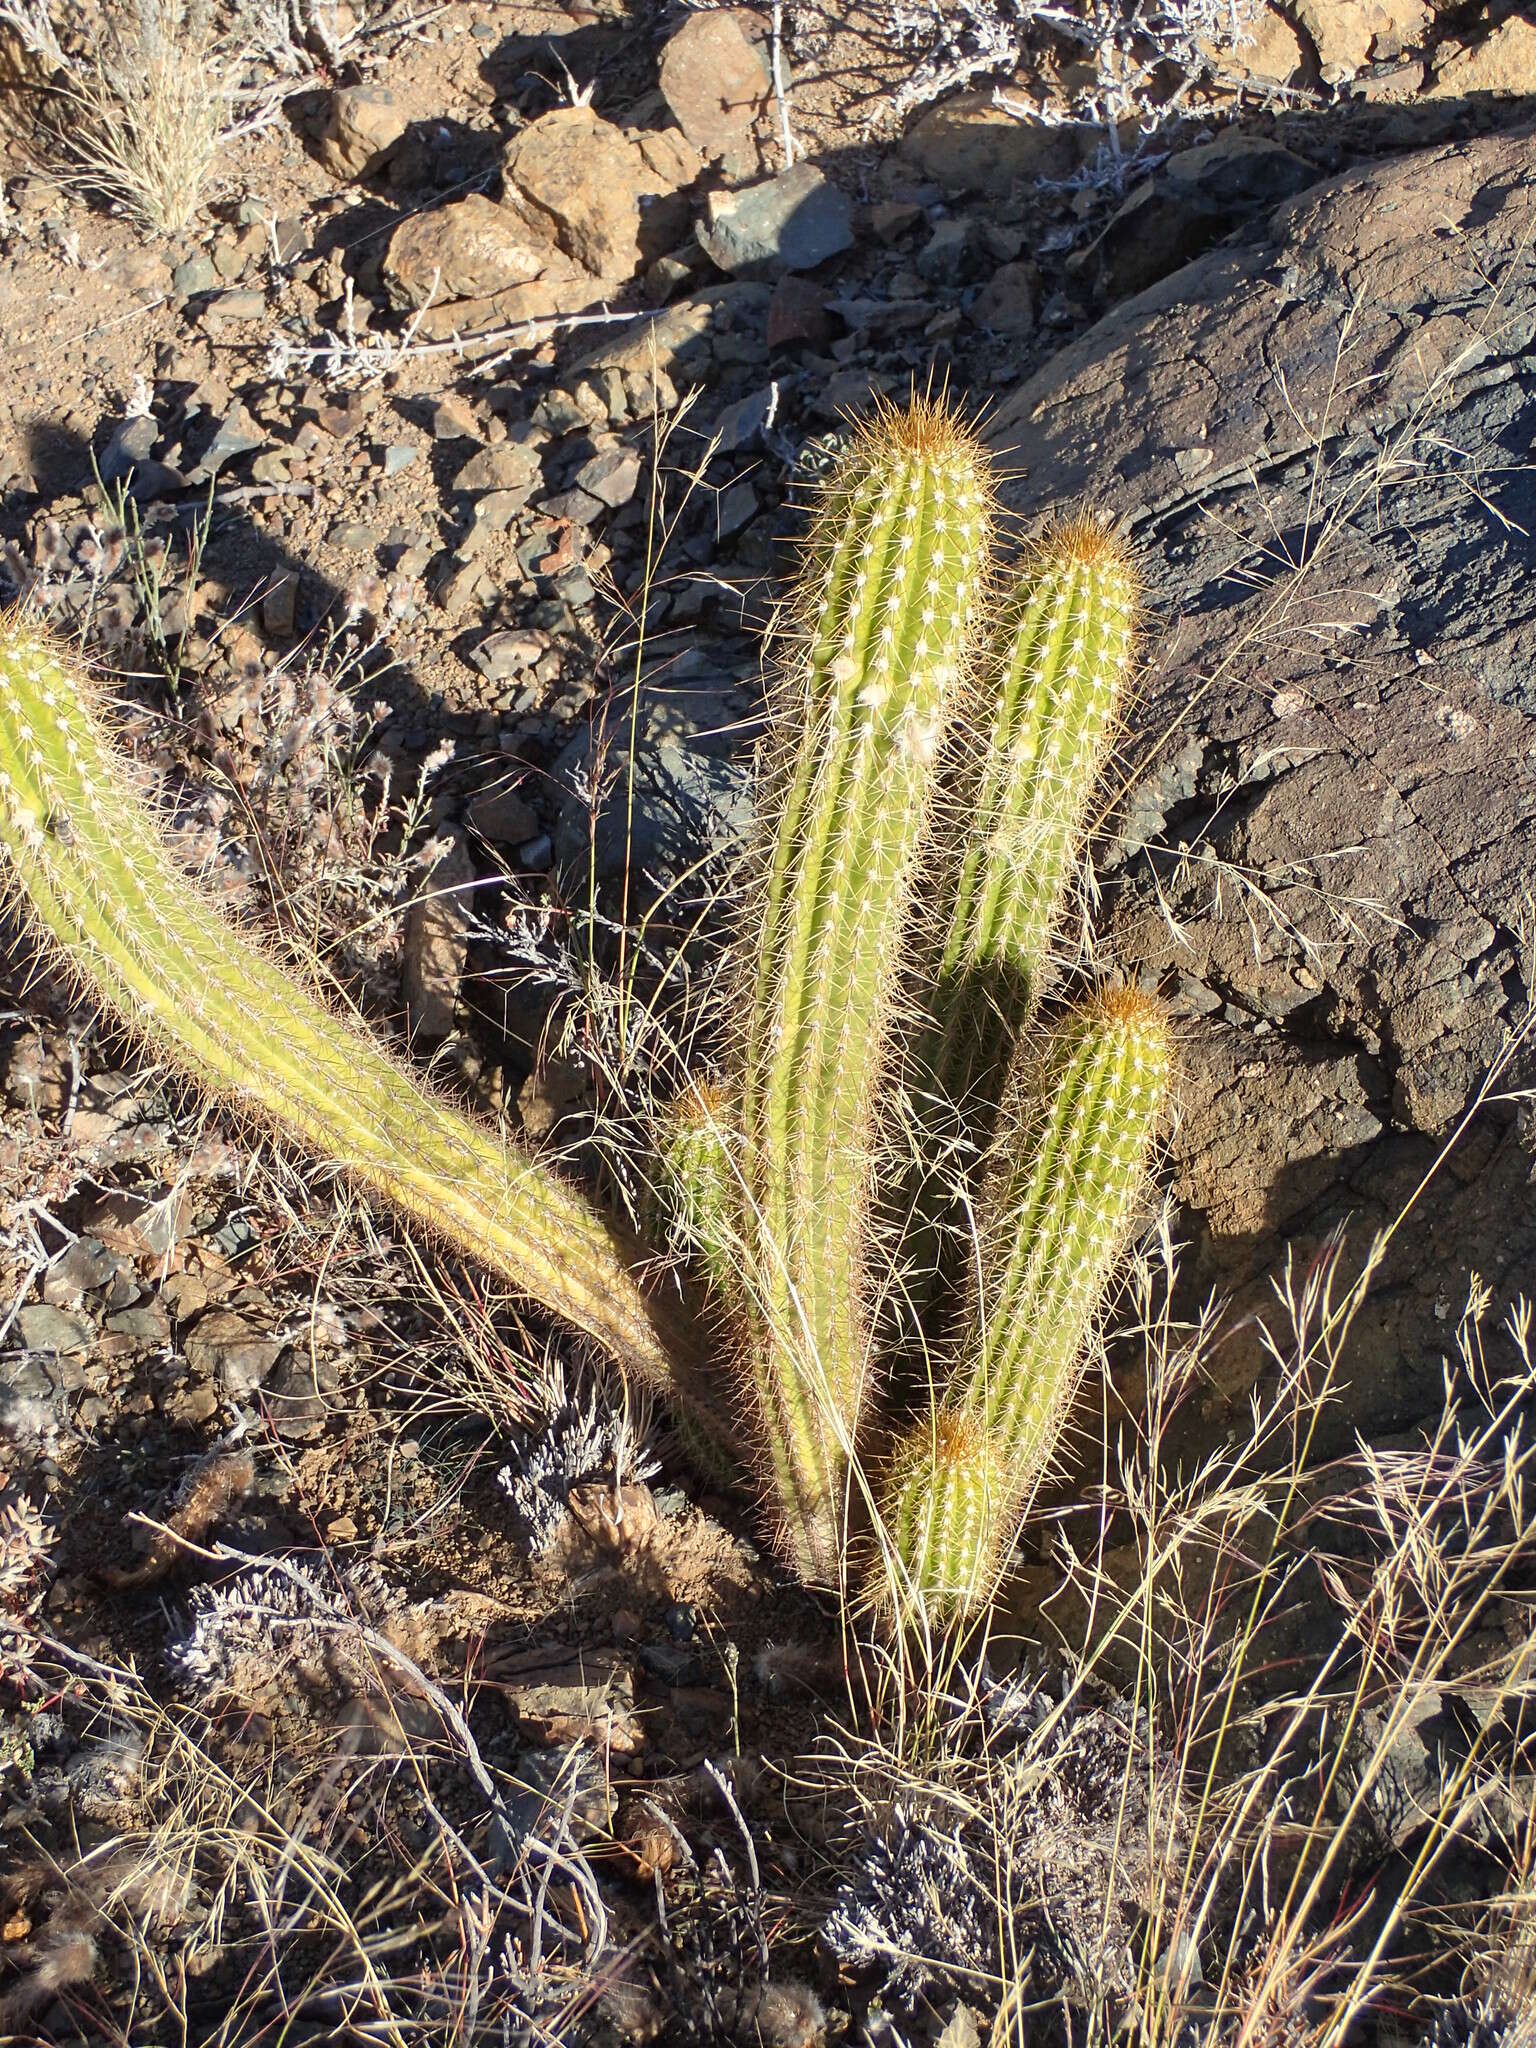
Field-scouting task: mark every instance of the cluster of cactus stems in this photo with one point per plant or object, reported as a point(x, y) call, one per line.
point(890, 1346)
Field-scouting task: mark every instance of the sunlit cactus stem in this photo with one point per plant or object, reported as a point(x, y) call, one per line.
point(898, 557)
point(1055, 671)
point(136, 930)
point(1067, 1174)
point(1062, 648)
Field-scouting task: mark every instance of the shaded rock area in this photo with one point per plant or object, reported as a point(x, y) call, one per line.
point(1327, 841)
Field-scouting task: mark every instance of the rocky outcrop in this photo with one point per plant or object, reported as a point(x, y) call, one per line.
point(1325, 840)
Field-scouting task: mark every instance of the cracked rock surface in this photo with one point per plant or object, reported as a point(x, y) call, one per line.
point(1326, 842)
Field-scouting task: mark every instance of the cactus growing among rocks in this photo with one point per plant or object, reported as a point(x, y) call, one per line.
point(921, 711)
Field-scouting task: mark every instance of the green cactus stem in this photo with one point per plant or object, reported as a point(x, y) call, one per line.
point(1056, 668)
point(1063, 646)
point(900, 550)
point(136, 930)
point(1068, 1170)
point(700, 1185)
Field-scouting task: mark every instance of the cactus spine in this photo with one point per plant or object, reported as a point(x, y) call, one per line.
point(1068, 1171)
point(92, 864)
point(901, 543)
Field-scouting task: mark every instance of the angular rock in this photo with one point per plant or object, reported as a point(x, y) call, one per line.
point(364, 126)
point(436, 943)
point(1347, 34)
point(132, 444)
point(585, 1699)
point(235, 1355)
point(580, 180)
point(1006, 302)
point(46, 1328)
point(791, 222)
point(501, 815)
point(969, 144)
point(612, 478)
point(717, 83)
point(1503, 61)
point(81, 1268)
point(1359, 743)
point(469, 249)
point(948, 256)
point(499, 657)
point(693, 786)
point(236, 435)
point(509, 466)
point(1271, 51)
point(797, 312)
point(1189, 203)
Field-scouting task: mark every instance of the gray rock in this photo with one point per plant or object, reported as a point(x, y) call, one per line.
point(791, 222)
point(46, 1328)
point(237, 434)
point(131, 445)
point(78, 1271)
point(741, 423)
point(735, 509)
point(693, 786)
point(949, 254)
point(1359, 745)
point(612, 478)
point(577, 507)
point(196, 275)
point(399, 455)
point(436, 943)
point(146, 1322)
point(279, 605)
point(499, 657)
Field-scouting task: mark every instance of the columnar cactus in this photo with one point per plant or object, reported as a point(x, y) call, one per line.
point(1055, 669)
point(1066, 1174)
point(94, 869)
point(899, 553)
point(935, 747)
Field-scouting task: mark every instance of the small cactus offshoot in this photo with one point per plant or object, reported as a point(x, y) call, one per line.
point(935, 742)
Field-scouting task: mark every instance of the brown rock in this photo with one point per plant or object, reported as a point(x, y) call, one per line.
point(798, 312)
point(1504, 61)
point(1347, 34)
point(436, 943)
point(969, 145)
point(469, 249)
point(580, 180)
point(547, 298)
point(1006, 302)
point(364, 126)
point(509, 467)
point(716, 83)
point(1273, 52)
point(562, 1700)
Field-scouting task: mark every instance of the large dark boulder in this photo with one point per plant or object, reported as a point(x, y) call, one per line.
point(1324, 838)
